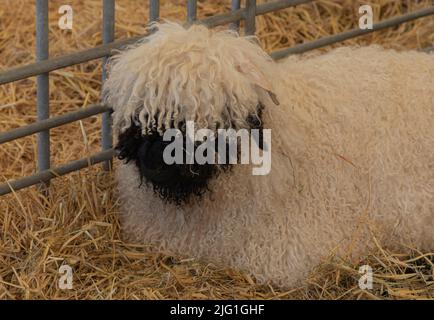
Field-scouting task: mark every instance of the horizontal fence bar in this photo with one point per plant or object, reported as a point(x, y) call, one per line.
point(53, 122)
point(52, 64)
point(352, 33)
point(278, 5)
point(240, 14)
point(100, 51)
point(49, 174)
point(237, 15)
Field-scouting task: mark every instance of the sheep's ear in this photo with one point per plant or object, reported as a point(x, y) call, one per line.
point(256, 77)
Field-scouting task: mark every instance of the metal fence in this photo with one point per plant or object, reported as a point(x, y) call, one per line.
point(44, 65)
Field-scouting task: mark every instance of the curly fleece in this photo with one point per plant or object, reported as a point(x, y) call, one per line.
point(352, 151)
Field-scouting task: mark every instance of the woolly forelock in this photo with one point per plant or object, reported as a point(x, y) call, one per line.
point(178, 74)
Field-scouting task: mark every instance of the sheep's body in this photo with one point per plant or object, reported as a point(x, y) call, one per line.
point(352, 157)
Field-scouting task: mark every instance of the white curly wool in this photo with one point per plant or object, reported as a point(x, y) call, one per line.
point(164, 76)
point(352, 151)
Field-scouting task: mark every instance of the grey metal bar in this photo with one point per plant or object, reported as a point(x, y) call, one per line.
point(235, 5)
point(108, 36)
point(52, 64)
point(237, 15)
point(46, 175)
point(278, 5)
point(250, 25)
point(42, 90)
point(154, 10)
point(224, 18)
point(352, 33)
point(191, 10)
point(52, 122)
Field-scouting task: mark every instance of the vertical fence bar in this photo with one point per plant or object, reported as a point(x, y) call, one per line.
point(250, 27)
point(108, 35)
point(154, 10)
point(191, 10)
point(235, 5)
point(42, 82)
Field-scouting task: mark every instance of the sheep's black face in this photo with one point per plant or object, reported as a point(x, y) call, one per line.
point(174, 183)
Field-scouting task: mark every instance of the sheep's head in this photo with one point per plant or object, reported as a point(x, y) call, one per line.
point(176, 76)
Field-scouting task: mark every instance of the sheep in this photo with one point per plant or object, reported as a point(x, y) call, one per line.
point(352, 151)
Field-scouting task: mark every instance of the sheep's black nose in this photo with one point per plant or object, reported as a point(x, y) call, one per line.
point(151, 163)
point(150, 153)
point(173, 182)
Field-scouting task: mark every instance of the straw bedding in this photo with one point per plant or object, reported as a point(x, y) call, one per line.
point(78, 223)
